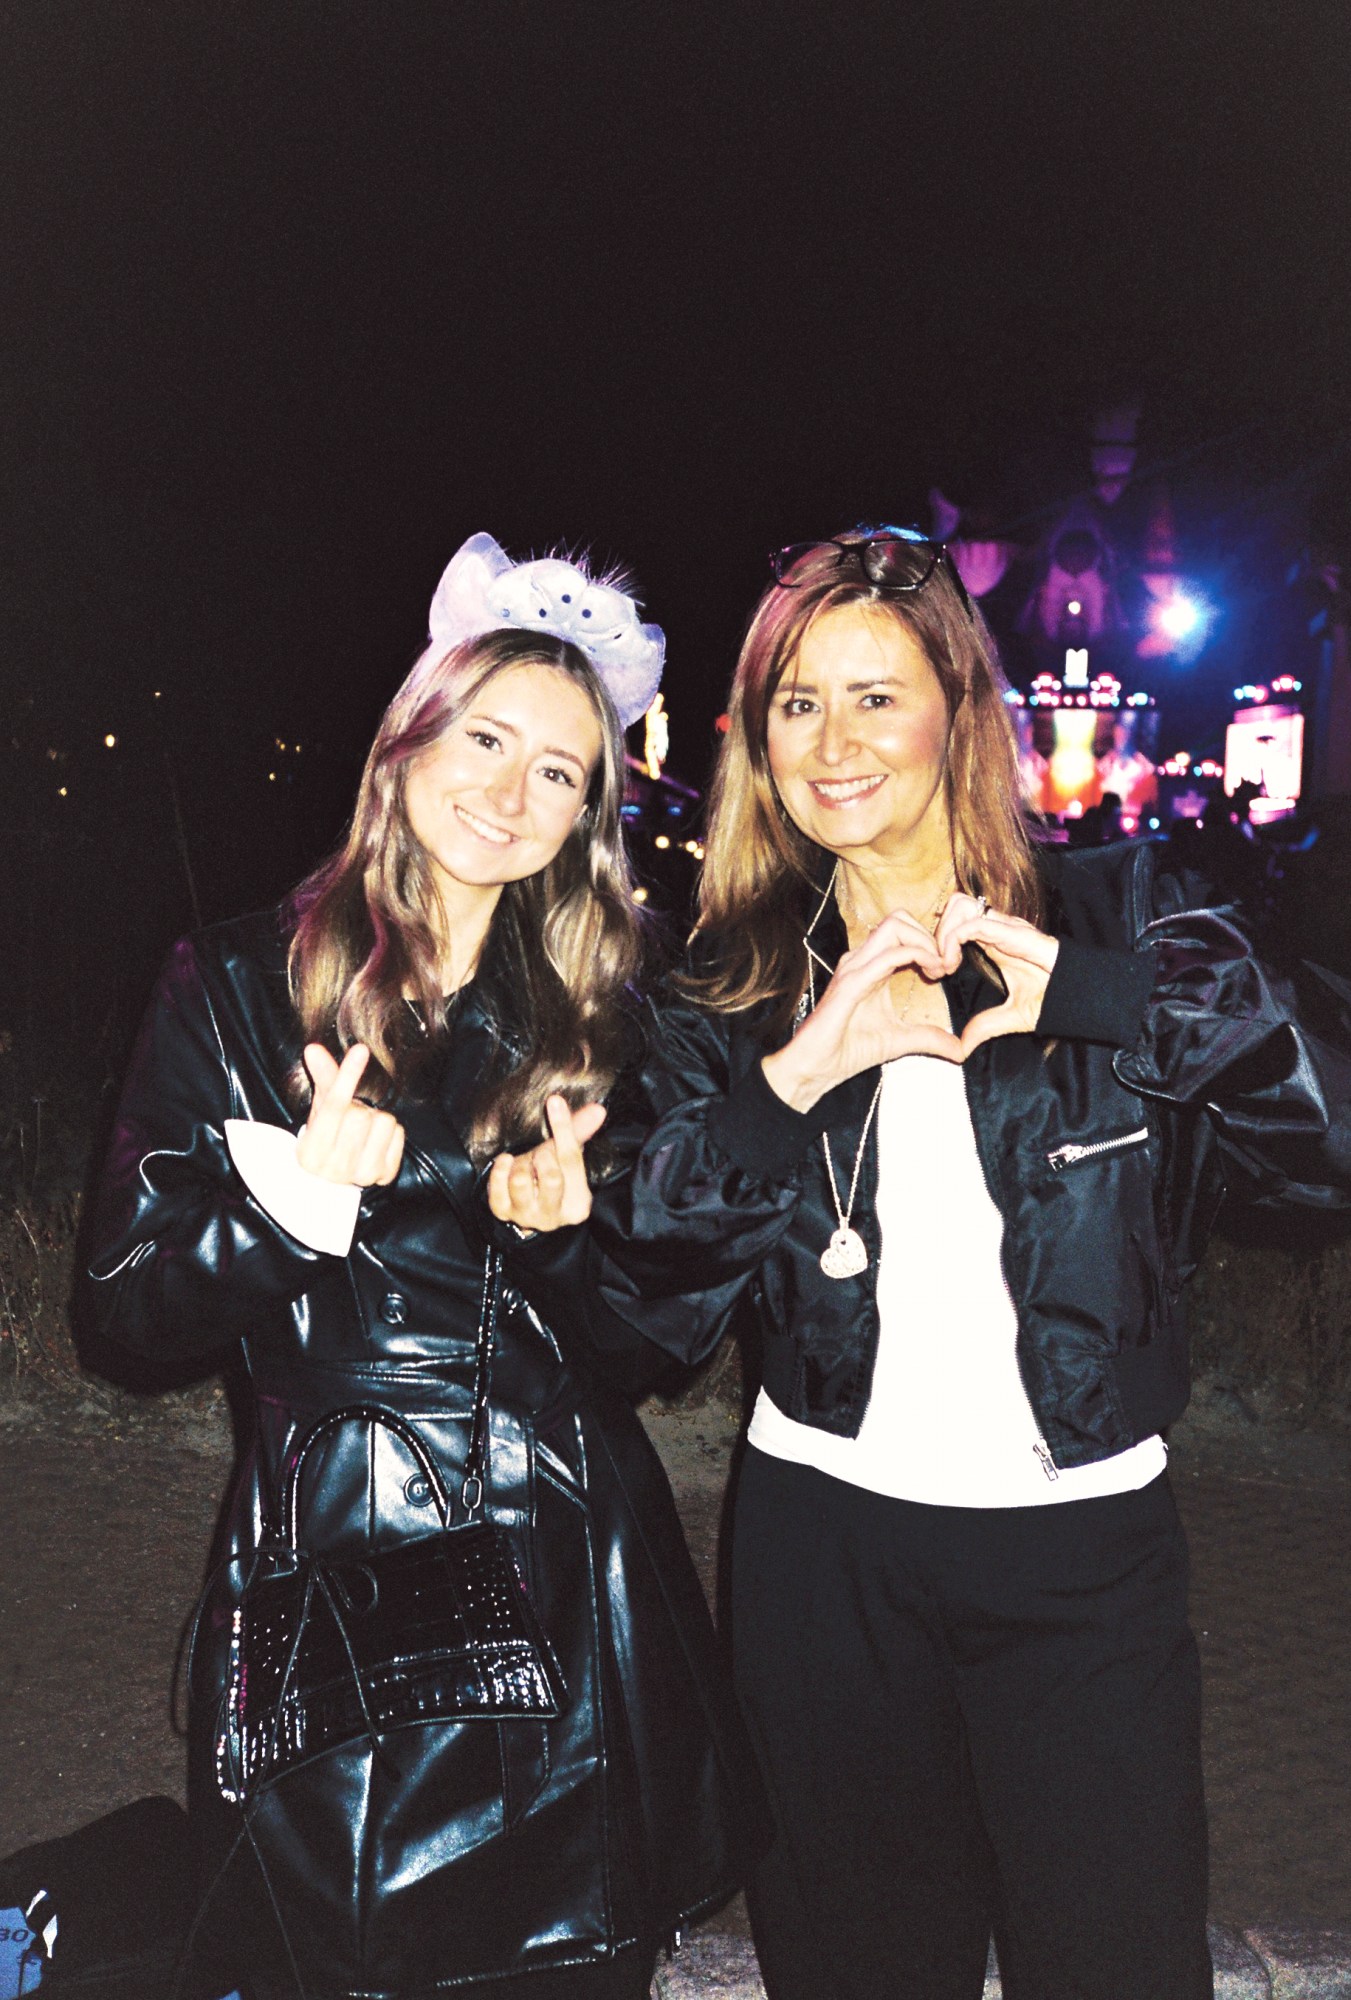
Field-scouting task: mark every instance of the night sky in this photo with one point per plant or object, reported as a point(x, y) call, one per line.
point(299, 295)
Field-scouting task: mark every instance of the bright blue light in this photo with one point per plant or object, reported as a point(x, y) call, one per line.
point(1182, 619)
point(1180, 616)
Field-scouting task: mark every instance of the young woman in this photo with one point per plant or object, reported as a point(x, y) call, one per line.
point(957, 1114)
point(445, 985)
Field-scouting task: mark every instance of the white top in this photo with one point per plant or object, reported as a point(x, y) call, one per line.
point(948, 1421)
point(318, 1213)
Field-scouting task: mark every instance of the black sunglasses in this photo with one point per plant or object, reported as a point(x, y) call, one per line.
point(890, 559)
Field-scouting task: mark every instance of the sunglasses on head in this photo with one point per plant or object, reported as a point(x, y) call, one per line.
point(896, 559)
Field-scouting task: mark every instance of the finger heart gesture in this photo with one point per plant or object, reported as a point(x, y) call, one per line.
point(547, 1187)
point(342, 1140)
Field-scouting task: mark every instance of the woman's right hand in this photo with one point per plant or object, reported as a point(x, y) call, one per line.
point(342, 1140)
point(854, 1025)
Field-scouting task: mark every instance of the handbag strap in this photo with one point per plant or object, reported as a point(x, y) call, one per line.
point(476, 1459)
point(472, 1487)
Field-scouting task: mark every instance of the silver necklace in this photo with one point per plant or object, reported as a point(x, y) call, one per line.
point(846, 1254)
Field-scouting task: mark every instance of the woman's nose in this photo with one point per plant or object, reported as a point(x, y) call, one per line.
point(507, 790)
point(836, 741)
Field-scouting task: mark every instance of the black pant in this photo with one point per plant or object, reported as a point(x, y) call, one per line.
point(971, 1720)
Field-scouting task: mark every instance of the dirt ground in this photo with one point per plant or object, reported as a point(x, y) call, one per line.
point(105, 1524)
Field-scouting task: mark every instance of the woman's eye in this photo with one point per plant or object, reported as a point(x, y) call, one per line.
point(797, 704)
point(557, 776)
point(485, 737)
point(876, 701)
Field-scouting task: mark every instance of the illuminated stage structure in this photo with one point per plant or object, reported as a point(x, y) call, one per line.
point(1079, 742)
point(1264, 748)
point(1107, 607)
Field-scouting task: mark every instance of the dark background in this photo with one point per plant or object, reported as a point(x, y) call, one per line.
point(300, 295)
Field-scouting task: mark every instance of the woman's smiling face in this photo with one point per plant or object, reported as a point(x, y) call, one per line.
point(857, 737)
point(498, 793)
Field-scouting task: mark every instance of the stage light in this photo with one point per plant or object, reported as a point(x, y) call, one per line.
point(662, 840)
point(110, 742)
point(1179, 619)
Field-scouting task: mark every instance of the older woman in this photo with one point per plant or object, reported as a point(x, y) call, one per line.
point(956, 1114)
point(480, 1751)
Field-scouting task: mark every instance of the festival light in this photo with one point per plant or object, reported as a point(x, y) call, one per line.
point(1178, 619)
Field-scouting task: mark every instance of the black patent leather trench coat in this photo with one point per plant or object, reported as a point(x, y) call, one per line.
point(499, 1849)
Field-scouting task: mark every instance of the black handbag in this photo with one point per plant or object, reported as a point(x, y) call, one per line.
point(325, 1649)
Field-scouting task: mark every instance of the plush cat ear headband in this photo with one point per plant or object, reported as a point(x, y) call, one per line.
point(482, 590)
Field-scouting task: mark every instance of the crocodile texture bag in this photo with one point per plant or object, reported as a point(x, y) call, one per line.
point(327, 1650)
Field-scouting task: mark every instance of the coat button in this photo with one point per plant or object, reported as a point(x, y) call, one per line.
point(394, 1308)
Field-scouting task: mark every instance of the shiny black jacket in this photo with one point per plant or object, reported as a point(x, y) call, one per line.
point(503, 1848)
point(1169, 1064)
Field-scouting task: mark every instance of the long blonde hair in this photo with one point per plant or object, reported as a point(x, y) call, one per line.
point(749, 927)
point(561, 948)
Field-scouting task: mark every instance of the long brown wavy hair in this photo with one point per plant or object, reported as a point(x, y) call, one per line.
point(561, 948)
point(749, 927)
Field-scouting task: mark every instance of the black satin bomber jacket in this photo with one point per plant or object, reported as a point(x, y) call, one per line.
point(1169, 1065)
point(503, 1848)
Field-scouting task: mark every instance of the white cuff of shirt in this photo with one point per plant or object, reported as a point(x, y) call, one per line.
point(318, 1213)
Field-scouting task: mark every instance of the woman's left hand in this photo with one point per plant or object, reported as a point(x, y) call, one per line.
point(1023, 954)
point(547, 1187)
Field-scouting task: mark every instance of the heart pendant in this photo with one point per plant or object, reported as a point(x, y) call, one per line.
point(845, 1255)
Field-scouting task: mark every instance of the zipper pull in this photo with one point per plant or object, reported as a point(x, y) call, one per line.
point(1048, 1464)
point(1064, 1156)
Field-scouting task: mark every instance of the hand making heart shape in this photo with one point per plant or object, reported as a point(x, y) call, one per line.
point(855, 1024)
point(1023, 955)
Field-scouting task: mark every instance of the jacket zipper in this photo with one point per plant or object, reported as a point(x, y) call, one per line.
point(1068, 1156)
point(1040, 1447)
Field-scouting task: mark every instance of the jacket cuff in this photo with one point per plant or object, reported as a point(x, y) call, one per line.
point(1096, 995)
point(754, 1126)
point(318, 1213)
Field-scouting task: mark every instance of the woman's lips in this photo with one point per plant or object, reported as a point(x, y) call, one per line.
point(836, 792)
point(484, 829)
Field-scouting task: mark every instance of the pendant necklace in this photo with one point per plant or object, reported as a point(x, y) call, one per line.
point(846, 1254)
